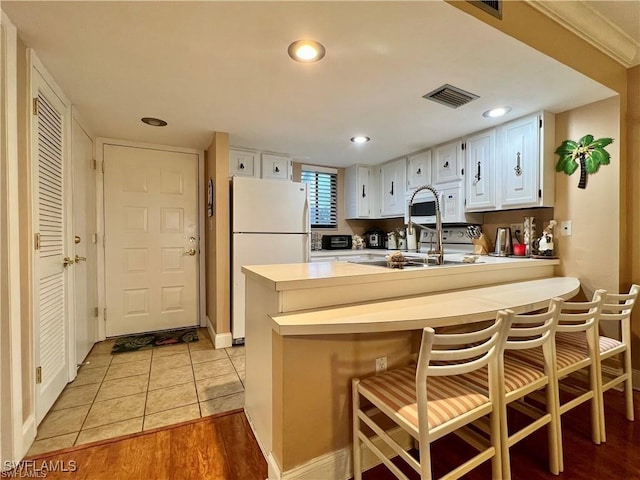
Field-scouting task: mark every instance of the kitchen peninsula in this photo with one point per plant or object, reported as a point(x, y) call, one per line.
point(312, 327)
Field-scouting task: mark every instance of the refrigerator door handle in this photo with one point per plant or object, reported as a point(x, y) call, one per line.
point(307, 251)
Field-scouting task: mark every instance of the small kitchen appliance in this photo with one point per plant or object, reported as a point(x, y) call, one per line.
point(337, 242)
point(374, 238)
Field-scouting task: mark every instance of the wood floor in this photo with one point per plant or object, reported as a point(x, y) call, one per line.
point(223, 447)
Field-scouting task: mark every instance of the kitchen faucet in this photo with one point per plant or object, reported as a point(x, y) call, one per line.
point(439, 251)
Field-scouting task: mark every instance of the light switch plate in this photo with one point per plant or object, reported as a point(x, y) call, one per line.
point(565, 228)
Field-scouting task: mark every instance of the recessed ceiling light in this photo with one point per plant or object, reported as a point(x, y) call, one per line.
point(496, 112)
point(306, 51)
point(154, 122)
point(360, 139)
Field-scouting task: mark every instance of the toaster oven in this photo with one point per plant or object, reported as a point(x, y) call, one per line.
point(336, 242)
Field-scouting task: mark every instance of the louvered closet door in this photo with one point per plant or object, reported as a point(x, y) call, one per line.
point(50, 289)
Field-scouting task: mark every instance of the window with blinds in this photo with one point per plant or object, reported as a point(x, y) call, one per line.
point(323, 195)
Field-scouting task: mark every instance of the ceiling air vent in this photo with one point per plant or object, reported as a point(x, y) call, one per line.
point(450, 96)
point(494, 7)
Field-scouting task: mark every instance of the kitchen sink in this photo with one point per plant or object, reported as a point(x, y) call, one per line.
point(417, 263)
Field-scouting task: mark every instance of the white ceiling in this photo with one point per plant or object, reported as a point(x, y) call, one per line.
point(223, 66)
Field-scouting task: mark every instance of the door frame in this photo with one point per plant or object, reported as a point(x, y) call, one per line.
point(34, 65)
point(100, 143)
point(12, 438)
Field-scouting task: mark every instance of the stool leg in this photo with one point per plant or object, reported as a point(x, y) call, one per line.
point(357, 447)
point(628, 384)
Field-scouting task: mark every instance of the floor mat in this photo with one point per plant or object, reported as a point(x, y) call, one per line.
point(144, 341)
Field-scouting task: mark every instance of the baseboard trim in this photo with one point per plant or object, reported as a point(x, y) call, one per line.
point(220, 340)
point(29, 431)
point(337, 465)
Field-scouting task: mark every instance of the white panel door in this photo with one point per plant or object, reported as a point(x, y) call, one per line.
point(520, 162)
point(151, 239)
point(260, 249)
point(51, 312)
point(481, 171)
point(84, 228)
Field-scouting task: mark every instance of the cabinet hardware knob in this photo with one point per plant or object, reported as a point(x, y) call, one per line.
point(79, 259)
point(277, 169)
point(241, 166)
point(66, 261)
point(419, 172)
point(517, 168)
point(191, 252)
point(391, 192)
point(446, 164)
point(364, 194)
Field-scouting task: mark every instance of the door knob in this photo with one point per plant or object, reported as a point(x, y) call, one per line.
point(66, 261)
point(77, 239)
point(80, 259)
point(191, 252)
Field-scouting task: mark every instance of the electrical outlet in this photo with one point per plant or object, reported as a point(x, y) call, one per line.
point(517, 228)
point(381, 364)
point(565, 228)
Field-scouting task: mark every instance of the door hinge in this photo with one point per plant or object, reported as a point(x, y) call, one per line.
point(38, 375)
point(36, 241)
point(462, 172)
point(102, 166)
point(539, 193)
point(105, 314)
point(95, 311)
point(540, 123)
point(94, 163)
point(36, 103)
point(464, 146)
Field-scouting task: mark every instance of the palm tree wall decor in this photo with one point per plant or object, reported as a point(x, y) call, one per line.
point(587, 153)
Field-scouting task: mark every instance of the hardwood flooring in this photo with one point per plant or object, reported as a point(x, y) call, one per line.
point(223, 447)
point(212, 448)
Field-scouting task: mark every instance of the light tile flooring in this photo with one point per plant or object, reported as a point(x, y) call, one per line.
point(130, 392)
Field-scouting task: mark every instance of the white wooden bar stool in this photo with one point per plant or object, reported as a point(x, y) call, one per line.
point(427, 402)
point(520, 379)
point(616, 309)
point(576, 318)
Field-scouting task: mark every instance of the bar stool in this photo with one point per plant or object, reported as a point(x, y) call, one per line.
point(427, 402)
point(576, 318)
point(521, 379)
point(616, 308)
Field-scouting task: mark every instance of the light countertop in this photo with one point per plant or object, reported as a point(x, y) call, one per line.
point(309, 275)
point(430, 310)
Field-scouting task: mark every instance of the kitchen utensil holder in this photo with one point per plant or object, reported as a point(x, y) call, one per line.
point(481, 246)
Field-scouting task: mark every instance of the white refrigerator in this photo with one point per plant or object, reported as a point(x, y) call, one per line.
point(269, 225)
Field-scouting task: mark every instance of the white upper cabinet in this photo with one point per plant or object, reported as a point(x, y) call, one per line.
point(393, 179)
point(359, 196)
point(447, 163)
point(276, 167)
point(527, 160)
point(480, 169)
point(244, 163)
point(419, 169)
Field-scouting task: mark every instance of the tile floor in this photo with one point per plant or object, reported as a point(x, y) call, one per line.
point(130, 392)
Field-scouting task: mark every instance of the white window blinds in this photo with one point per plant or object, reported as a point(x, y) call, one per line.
point(323, 195)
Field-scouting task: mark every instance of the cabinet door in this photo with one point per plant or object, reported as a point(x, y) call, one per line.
point(244, 163)
point(480, 164)
point(520, 162)
point(393, 177)
point(276, 167)
point(419, 166)
point(358, 183)
point(446, 166)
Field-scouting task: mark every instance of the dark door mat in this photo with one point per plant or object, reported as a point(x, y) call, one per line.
point(144, 341)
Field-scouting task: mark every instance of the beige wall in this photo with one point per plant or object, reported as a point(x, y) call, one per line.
point(591, 253)
point(633, 206)
point(218, 262)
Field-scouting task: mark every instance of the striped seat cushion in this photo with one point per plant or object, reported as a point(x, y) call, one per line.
point(516, 376)
point(566, 355)
point(579, 340)
point(396, 389)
